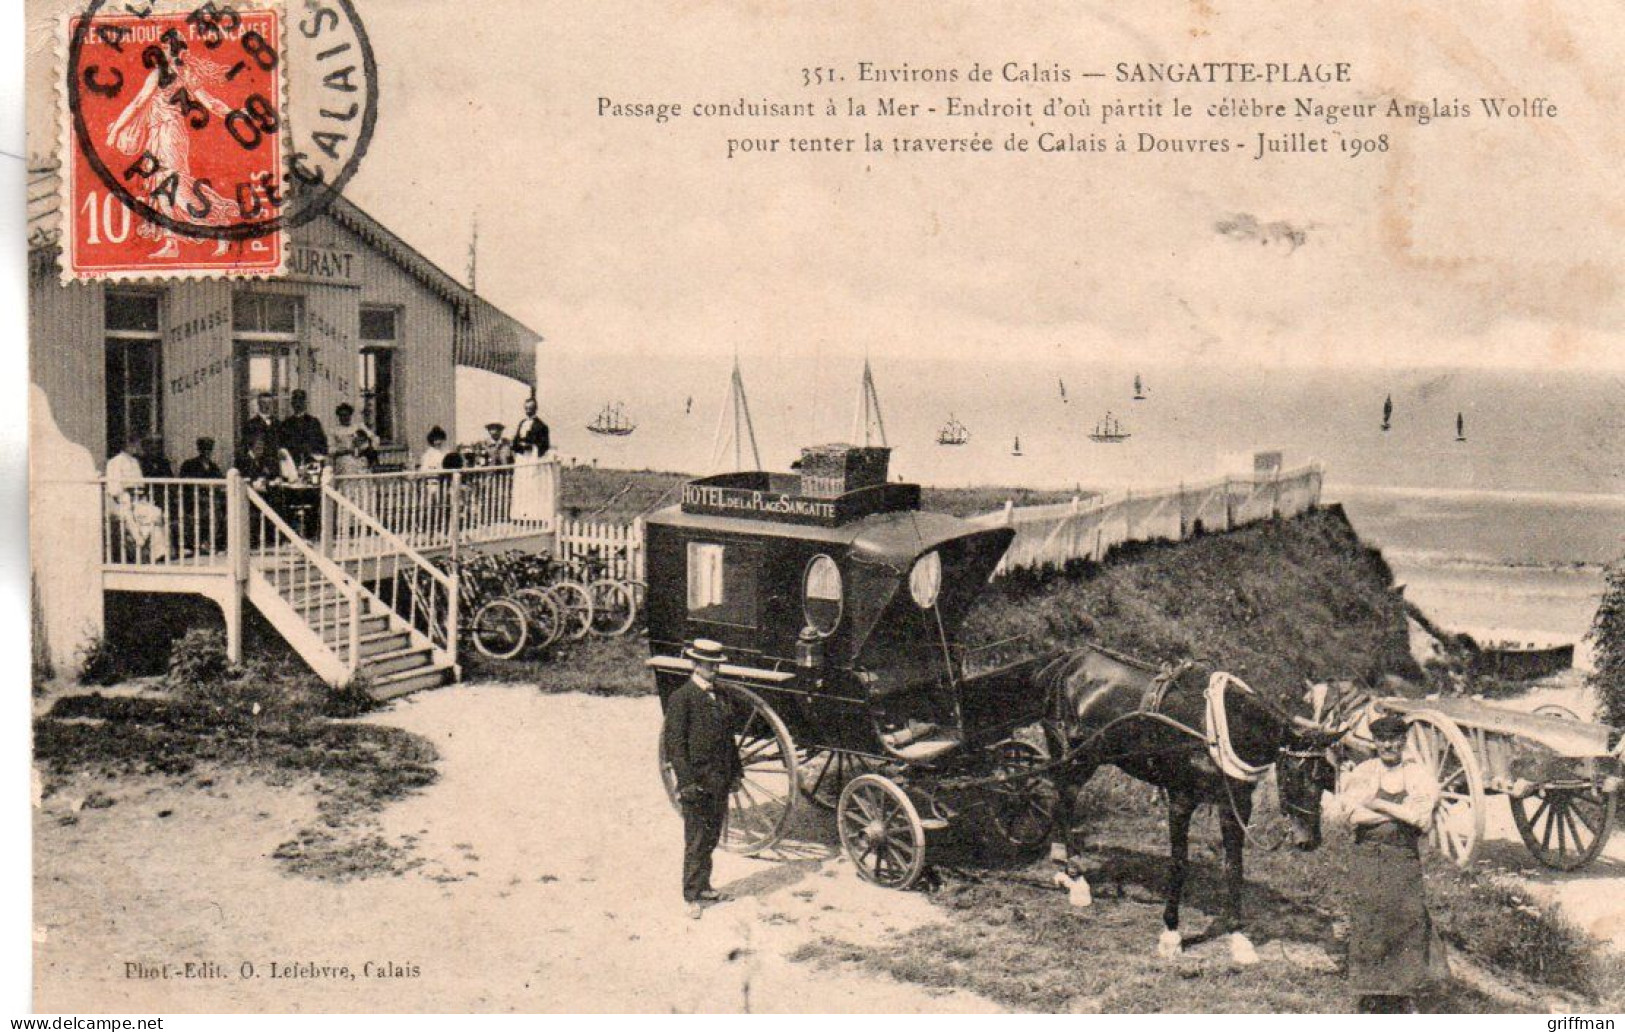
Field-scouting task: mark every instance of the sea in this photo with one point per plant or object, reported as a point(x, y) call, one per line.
point(1504, 534)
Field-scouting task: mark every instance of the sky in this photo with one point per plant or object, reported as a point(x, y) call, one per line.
point(1470, 244)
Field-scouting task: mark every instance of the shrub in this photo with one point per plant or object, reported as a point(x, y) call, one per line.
point(198, 661)
point(99, 663)
point(1608, 635)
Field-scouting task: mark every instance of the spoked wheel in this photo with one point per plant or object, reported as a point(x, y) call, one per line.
point(881, 831)
point(824, 773)
point(760, 808)
point(613, 608)
point(1458, 820)
point(546, 621)
point(575, 607)
point(1021, 805)
point(499, 629)
point(1565, 828)
point(762, 804)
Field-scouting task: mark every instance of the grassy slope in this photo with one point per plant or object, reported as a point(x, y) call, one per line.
point(1273, 603)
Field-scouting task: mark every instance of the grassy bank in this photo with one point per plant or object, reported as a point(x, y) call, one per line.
point(1273, 603)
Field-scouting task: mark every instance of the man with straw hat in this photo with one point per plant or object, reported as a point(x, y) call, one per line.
point(1394, 950)
point(699, 743)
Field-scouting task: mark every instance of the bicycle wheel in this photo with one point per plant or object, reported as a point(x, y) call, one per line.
point(575, 607)
point(546, 622)
point(612, 608)
point(499, 629)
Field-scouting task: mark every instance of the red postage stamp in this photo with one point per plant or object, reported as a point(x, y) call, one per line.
point(174, 142)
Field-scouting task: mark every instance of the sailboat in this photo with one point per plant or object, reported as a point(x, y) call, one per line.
point(953, 432)
point(1139, 388)
point(1387, 411)
point(1016, 451)
point(613, 421)
point(1064, 399)
point(688, 406)
point(1461, 428)
point(1109, 431)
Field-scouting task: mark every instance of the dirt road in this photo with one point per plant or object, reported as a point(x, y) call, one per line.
point(549, 882)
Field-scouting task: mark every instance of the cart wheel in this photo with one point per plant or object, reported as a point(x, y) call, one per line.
point(575, 605)
point(1565, 828)
point(499, 630)
point(762, 805)
point(825, 772)
point(881, 831)
point(613, 609)
point(1552, 709)
point(1458, 820)
point(546, 621)
point(1022, 809)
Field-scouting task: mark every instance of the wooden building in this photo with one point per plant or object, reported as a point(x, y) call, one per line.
point(359, 318)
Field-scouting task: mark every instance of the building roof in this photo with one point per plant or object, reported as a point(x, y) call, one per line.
point(486, 337)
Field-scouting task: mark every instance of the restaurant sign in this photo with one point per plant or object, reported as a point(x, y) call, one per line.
point(322, 263)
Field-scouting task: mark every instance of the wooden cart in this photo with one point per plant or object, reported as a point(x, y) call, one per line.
point(1561, 775)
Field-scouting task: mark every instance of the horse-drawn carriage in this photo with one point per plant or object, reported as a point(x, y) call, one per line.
point(840, 603)
point(1561, 775)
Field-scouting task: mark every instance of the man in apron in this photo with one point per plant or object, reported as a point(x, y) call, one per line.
point(1394, 949)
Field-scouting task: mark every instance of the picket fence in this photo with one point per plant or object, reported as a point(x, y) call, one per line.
point(1051, 535)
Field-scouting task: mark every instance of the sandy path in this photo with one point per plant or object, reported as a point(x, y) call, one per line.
point(549, 883)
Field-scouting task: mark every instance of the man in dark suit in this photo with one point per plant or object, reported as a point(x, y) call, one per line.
point(202, 465)
point(699, 743)
point(530, 436)
point(259, 426)
point(301, 434)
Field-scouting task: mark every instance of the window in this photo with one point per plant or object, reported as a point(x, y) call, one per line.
point(821, 596)
point(380, 335)
point(266, 327)
point(722, 583)
point(265, 313)
point(133, 367)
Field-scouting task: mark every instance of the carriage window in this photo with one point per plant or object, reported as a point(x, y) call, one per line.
point(925, 580)
point(722, 583)
point(821, 602)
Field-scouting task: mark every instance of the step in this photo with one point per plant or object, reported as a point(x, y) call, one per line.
point(336, 631)
point(381, 643)
point(392, 685)
point(385, 663)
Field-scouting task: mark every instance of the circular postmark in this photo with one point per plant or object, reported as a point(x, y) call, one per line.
point(218, 120)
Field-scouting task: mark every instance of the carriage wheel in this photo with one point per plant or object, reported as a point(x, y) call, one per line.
point(613, 608)
point(881, 831)
point(576, 606)
point(1565, 828)
point(1022, 810)
point(499, 630)
point(825, 772)
point(1552, 709)
point(546, 620)
point(762, 804)
point(1458, 820)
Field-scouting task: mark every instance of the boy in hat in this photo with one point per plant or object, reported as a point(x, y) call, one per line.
point(699, 743)
point(1393, 947)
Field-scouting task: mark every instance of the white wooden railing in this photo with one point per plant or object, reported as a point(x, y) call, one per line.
point(617, 546)
point(322, 594)
point(397, 574)
point(487, 503)
point(1051, 535)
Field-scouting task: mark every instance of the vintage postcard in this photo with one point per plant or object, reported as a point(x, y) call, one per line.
point(985, 507)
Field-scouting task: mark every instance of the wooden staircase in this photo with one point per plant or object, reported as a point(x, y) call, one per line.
point(324, 608)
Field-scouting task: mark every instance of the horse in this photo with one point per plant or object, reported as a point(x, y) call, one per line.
point(1154, 723)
